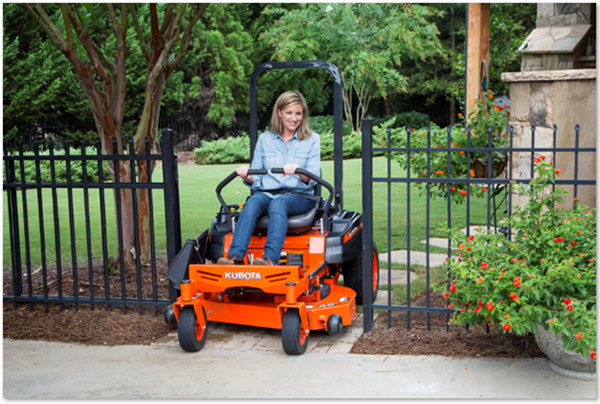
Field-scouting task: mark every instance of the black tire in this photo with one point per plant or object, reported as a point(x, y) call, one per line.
point(170, 315)
point(191, 336)
point(293, 338)
point(334, 324)
point(353, 275)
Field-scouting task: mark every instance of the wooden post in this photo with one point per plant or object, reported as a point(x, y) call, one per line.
point(478, 49)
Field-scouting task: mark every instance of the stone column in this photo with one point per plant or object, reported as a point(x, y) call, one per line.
point(563, 98)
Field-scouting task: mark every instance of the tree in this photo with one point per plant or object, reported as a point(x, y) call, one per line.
point(79, 34)
point(367, 42)
point(38, 82)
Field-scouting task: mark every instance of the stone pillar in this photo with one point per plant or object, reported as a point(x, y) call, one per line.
point(563, 98)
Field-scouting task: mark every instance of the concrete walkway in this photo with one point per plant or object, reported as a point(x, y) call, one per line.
point(60, 371)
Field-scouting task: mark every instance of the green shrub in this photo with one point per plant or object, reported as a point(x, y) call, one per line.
point(224, 151)
point(412, 119)
point(60, 168)
point(323, 124)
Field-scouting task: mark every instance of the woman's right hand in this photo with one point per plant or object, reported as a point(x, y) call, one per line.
point(242, 171)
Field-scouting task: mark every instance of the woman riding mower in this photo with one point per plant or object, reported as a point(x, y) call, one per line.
point(289, 144)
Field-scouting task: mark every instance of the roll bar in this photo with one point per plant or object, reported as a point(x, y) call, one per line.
point(337, 113)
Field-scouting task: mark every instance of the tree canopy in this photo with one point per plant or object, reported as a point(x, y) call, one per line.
point(394, 58)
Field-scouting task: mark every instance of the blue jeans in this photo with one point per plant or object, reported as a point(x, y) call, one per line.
point(278, 209)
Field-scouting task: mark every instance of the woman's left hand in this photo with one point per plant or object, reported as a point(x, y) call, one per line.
point(290, 169)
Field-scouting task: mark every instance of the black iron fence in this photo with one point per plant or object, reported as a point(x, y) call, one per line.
point(62, 233)
point(189, 129)
point(493, 183)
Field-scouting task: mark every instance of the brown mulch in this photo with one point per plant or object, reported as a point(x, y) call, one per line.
point(93, 327)
point(457, 342)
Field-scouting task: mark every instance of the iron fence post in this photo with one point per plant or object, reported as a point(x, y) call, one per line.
point(173, 228)
point(367, 233)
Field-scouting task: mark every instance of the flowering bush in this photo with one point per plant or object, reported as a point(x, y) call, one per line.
point(546, 275)
point(480, 120)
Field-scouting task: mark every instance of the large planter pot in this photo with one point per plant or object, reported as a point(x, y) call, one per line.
point(565, 363)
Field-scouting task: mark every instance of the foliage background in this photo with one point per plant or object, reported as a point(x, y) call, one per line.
point(426, 77)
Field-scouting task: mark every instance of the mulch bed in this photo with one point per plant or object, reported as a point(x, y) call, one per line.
point(82, 324)
point(456, 342)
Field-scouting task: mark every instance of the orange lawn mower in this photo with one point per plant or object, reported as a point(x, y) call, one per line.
point(300, 294)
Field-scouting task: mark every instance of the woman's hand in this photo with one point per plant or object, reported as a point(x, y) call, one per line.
point(290, 169)
point(242, 171)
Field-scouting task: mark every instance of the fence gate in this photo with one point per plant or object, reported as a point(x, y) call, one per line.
point(57, 208)
point(491, 186)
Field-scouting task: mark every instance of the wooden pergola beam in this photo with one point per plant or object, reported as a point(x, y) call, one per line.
point(478, 49)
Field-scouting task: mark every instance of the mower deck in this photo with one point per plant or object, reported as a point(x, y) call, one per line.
point(256, 295)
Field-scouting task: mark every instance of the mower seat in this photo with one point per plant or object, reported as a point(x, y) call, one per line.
point(296, 224)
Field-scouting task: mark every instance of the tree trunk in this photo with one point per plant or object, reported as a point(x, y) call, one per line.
point(387, 105)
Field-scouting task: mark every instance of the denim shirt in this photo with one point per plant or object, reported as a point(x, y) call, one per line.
point(271, 151)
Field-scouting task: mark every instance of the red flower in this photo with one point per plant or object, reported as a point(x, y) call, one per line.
point(450, 306)
point(471, 238)
point(413, 130)
point(594, 356)
point(517, 281)
point(468, 248)
point(567, 301)
point(503, 271)
point(537, 160)
point(483, 266)
point(481, 303)
point(507, 327)
point(573, 242)
point(477, 309)
point(578, 336)
point(543, 157)
point(500, 108)
point(551, 320)
point(570, 308)
point(452, 288)
point(490, 306)
point(558, 171)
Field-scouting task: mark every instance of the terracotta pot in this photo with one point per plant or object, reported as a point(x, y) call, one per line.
point(565, 363)
point(481, 170)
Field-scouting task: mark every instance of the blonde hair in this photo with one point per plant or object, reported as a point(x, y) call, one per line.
point(284, 101)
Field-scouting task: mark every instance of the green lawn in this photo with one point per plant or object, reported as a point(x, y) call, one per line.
point(199, 206)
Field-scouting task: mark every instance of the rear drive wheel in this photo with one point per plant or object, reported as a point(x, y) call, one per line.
point(293, 337)
point(353, 275)
point(192, 333)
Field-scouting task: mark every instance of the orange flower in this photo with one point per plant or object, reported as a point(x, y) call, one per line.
point(453, 189)
point(472, 173)
point(491, 96)
point(462, 152)
point(489, 91)
point(558, 171)
point(460, 115)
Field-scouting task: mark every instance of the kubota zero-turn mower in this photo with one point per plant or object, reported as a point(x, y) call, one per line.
point(299, 295)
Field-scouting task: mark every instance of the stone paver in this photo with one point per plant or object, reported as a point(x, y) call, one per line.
point(245, 338)
point(416, 257)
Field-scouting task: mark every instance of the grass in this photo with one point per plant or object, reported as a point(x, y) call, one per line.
point(199, 206)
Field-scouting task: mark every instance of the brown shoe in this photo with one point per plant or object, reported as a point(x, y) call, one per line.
point(225, 261)
point(262, 261)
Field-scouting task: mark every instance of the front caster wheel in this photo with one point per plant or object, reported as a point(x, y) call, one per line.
point(192, 333)
point(293, 337)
